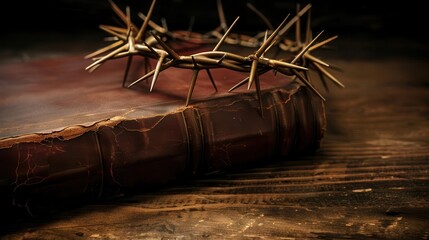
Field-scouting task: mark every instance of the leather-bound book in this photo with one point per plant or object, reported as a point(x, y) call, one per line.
point(68, 135)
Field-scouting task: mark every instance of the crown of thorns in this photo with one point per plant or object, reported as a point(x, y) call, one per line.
point(130, 41)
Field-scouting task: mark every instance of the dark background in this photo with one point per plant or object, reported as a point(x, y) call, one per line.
point(75, 16)
point(72, 26)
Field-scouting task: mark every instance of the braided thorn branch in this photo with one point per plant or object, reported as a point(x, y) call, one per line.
point(132, 41)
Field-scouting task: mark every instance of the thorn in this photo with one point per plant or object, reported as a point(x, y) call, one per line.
point(163, 67)
point(258, 94)
point(326, 73)
point(307, 76)
point(142, 78)
point(151, 49)
point(128, 13)
point(314, 59)
point(155, 26)
point(275, 72)
point(221, 59)
point(170, 51)
point(308, 84)
point(221, 15)
point(94, 68)
point(120, 14)
point(127, 68)
point(191, 88)
point(304, 50)
point(164, 24)
point(308, 29)
point(286, 65)
point(270, 39)
point(105, 49)
point(195, 63)
point(211, 79)
point(146, 21)
point(110, 39)
point(241, 83)
point(157, 70)
point(260, 15)
point(115, 29)
point(298, 27)
point(294, 19)
point(106, 57)
point(316, 46)
point(265, 39)
point(225, 35)
point(108, 30)
point(322, 78)
point(252, 74)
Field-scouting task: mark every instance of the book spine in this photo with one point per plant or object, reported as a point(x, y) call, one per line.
point(144, 153)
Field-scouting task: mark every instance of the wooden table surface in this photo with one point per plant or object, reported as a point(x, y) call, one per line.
point(369, 180)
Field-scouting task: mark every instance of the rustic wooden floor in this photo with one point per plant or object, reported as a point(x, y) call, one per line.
point(370, 179)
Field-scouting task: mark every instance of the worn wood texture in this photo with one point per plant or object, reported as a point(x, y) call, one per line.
point(368, 181)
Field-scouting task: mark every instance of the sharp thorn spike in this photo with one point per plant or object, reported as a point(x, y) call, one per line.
point(120, 13)
point(194, 62)
point(304, 50)
point(94, 68)
point(323, 80)
point(314, 59)
point(105, 49)
point(298, 27)
point(157, 70)
point(170, 51)
point(164, 24)
point(106, 57)
point(221, 59)
point(264, 46)
point(265, 39)
point(308, 28)
point(241, 83)
point(259, 96)
point(307, 76)
point(326, 73)
point(118, 35)
point(225, 35)
point(142, 30)
point(128, 14)
point(320, 44)
point(127, 69)
point(260, 15)
point(142, 78)
point(115, 29)
point(308, 84)
point(151, 48)
point(155, 26)
point(163, 67)
point(252, 74)
point(211, 79)
point(221, 15)
point(294, 19)
point(191, 87)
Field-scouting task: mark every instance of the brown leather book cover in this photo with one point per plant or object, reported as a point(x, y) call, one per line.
point(67, 134)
